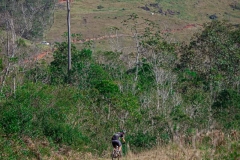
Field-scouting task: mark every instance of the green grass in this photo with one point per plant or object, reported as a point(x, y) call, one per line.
point(115, 11)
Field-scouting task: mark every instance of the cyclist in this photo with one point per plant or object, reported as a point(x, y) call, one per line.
point(116, 139)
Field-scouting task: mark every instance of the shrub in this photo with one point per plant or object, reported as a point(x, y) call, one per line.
point(226, 109)
point(35, 113)
point(142, 140)
point(100, 7)
point(16, 119)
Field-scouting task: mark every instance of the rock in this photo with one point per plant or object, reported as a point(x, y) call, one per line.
point(145, 8)
point(155, 5)
point(213, 17)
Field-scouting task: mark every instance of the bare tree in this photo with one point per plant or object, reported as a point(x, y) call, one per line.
point(21, 19)
point(69, 38)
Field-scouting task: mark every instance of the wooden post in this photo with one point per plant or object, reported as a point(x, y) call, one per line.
point(69, 38)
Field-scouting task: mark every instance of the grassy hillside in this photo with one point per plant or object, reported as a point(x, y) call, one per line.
point(94, 18)
point(175, 100)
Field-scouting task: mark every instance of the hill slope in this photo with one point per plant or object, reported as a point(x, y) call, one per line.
point(94, 18)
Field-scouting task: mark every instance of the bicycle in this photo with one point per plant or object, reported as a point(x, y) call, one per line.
point(116, 153)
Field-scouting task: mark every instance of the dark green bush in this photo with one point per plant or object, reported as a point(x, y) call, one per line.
point(21, 42)
point(226, 109)
point(16, 119)
point(62, 133)
point(142, 140)
point(100, 7)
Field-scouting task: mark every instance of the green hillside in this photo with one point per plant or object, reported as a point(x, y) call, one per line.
point(161, 70)
point(94, 18)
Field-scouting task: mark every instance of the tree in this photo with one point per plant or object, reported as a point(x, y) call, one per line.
point(226, 109)
point(21, 20)
point(81, 61)
point(28, 19)
point(214, 55)
point(209, 67)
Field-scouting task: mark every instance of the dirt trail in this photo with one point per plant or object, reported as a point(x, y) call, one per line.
point(41, 55)
point(64, 1)
point(189, 26)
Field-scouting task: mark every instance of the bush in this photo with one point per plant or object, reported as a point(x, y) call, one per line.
point(34, 112)
point(142, 140)
point(21, 42)
point(62, 133)
point(16, 119)
point(226, 109)
point(100, 7)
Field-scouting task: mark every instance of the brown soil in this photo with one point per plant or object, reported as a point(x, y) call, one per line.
point(41, 55)
point(62, 1)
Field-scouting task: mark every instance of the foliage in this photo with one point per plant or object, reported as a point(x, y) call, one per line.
point(214, 54)
point(142, 140)
point(100, 7)
point(209, 72)
point(40, 73)
point(106, 87)
point(30, 19)
point(161, 97)
point(36, 112)
point(226, 109)
point(59, 67)
point(21, 42)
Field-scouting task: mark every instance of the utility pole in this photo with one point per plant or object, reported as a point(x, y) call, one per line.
point(69, 39)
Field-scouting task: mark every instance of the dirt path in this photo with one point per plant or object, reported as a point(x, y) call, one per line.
point(41, 55)
point(64, 1)
point(189, 26)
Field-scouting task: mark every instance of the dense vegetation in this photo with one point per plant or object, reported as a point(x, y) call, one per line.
point(25, 18)
point(169, 91)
